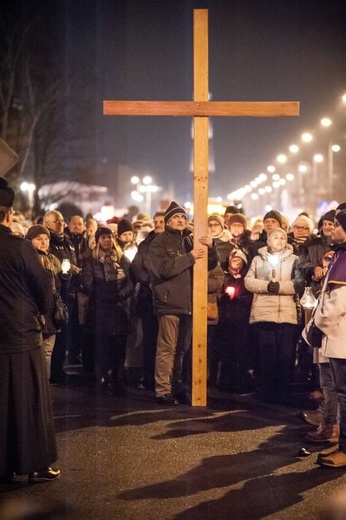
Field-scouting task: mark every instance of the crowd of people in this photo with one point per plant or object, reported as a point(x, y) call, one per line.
point(127, 288)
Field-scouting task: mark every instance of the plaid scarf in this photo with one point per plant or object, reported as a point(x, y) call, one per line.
point(111, 267)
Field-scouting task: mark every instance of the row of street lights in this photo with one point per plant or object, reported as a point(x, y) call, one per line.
point(145, 187)
point(255, 189)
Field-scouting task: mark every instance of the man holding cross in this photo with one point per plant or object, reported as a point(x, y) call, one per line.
point(200, 109)
point(171, 257)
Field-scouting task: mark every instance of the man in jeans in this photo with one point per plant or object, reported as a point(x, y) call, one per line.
point(330, 317)
point(171, 258)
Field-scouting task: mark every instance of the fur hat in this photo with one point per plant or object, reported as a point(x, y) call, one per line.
point(103, 230)
point(124, 225)
point(273, 214)
point(216, 218)
point(330, 215)
point(276, 230)
point(173, 209)
point(302, 220)
point(341, 218)
point(36, 230)
point(6, 194)
point(239, 218)
point(238, 253)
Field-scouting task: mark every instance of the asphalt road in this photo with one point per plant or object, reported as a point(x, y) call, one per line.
point(132, 459)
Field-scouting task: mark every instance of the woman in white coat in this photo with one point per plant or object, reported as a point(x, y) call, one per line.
point(274, 280)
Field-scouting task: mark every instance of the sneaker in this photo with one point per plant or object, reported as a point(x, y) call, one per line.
point(313, 417)
point(324, 433)
point(336, 459)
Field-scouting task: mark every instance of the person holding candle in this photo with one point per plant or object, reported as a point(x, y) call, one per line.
point(274, 280)
point(232, 330)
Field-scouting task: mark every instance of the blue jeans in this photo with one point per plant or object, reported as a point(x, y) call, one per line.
point(330, 408)
point(338, 367)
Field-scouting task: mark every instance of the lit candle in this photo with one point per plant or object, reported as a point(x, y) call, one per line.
point(273, 262)
point(230, 291)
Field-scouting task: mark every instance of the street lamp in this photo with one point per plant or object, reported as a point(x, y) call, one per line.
point(29, 188)
point(332, 148)
point(144, 186)
point(317, 158)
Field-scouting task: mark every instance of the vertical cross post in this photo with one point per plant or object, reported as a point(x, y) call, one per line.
point(200, 189)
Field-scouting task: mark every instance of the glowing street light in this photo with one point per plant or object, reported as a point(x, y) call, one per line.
point(271, 169)
point(326, 121)
point(307, 137)
point(281, 158)
point(294, 148)
point(318, 158)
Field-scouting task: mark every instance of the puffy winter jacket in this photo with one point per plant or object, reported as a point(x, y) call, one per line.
point(266, 306)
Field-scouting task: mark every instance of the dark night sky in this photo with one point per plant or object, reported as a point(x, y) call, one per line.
point(290, 50)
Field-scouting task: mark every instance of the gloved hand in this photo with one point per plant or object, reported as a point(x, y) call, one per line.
point(273, 287)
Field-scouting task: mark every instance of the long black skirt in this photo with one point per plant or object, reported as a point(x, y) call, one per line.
point(27, 438)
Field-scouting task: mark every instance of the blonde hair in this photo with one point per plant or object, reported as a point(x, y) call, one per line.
point(115, 247)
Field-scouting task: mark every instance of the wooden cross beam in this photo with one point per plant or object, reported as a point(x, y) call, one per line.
point(200, 109)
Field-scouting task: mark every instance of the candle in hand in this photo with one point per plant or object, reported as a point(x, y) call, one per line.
point(230, 291)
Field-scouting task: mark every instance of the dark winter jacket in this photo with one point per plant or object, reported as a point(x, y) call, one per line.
point(25, 293)
point(310, 256)
point(62, 248)
point(171, 272)
point(109, 300)
point(140, 272)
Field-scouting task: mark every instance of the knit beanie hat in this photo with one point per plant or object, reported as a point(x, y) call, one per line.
point(238, 253)
point(6, 194)
point(36, 230)
point(124, 225)
point(102, 231)
point(239, 218)
point(173, 209)
point(276, 230)
point(273, 214)
point(216, 218)
point(330, 215)
point(341, 218)
point(302, 220)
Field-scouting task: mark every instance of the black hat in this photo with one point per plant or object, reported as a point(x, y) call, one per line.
point(341, 218)
point(36, 230)
point(330, 215)
point(231, 209)
point(273, 214)
point(102, 231)
point(6, 194)
point(173, 209)
point(124, 225)
point(341, 206)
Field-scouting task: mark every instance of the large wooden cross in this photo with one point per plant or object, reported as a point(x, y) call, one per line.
point(200, 109)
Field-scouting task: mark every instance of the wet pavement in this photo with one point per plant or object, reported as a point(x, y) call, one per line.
point(129, 458)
